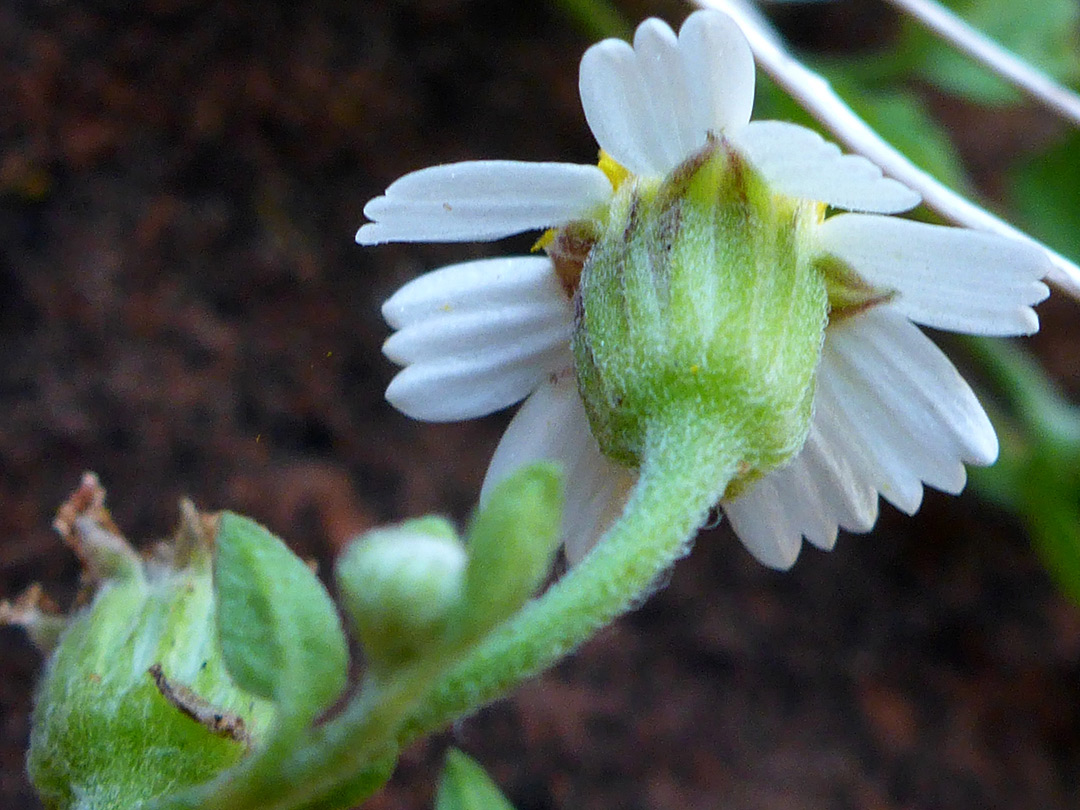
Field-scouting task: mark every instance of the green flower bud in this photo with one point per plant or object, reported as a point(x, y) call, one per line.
point(700, 297)
point(136, 700)
point(401, 587)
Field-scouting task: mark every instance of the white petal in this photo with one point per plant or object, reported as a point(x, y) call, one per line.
point(619, 110)
point(845, 493)
point(458, 388)
point(601, 489)
point(486, 199)
point(468, 307)
point(764, 527)
point(469, 334)
point(819, 492)
point(552, 425)
point(481, 285)
point(800, 163)
point(720, 68)
point(950, 278)
point(478, 336)
point(862, 444)
point(901, 408)
point(657, 52)
point(652, 105)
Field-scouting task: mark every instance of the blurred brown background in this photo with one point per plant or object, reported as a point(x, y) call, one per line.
point(183, 310)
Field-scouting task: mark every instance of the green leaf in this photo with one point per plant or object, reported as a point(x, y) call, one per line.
point(465, 786)
point(1044, 32)
point(511, 544)
point(1046, 192)
point(280, 633)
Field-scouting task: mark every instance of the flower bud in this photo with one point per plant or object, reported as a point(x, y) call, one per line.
point(400, 587)
point(701, 295)
point(136, 700)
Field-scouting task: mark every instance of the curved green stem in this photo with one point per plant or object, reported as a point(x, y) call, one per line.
point(688, 466)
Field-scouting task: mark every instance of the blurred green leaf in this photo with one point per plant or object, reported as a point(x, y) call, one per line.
point(596, 19)
point(465, 786)
point(1001, 482)
point(1046, 194)
point(770, 101)
point(872, 85)
point(1053, 520)
point(901, 118)
point(1037, 476)
point(1044, 32)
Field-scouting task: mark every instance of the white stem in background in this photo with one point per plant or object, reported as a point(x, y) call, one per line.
point(987, 52)
point(815, 94)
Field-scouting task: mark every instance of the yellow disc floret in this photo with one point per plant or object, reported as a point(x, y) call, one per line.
point(615, 171)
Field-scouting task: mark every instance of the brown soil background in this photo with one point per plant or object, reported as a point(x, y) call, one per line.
point(183, 310)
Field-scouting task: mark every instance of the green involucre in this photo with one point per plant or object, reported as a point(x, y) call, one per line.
point(703, 289)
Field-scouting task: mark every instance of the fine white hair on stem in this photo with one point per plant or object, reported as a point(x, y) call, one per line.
point(815, 94)
point(984, 50)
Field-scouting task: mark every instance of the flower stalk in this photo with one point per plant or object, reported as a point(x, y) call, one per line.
point(688, 463)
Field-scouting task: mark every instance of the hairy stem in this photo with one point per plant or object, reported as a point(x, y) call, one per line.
point(688, 463)
point(687, 467)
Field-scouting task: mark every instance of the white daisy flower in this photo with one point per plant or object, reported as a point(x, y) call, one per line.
point(890, 414)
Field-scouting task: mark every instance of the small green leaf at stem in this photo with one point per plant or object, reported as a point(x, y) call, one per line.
point(465, 786)
point(280, 633)
point(511, 544)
